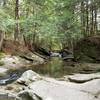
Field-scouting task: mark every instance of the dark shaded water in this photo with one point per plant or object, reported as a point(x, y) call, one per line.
point(56, 67)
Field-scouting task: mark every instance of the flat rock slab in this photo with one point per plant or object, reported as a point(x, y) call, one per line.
point(52, 91)
point(92, 87)
point(81, 78)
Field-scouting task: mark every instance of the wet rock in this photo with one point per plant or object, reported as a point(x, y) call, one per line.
point(81, 78)
point(8, 96)
point(53, 91)
point(28, 77)
point(8, 80)
point(53, 54)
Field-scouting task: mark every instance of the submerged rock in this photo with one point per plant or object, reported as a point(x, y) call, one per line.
point(81, 78)
point(28, 77)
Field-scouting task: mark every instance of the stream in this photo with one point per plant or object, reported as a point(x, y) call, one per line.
point(55, 67)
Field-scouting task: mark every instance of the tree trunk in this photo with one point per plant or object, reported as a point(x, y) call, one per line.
point(95, 23)
point(1, 39)
point(87, 18)
point(83, 18)
point(92, 19)
point(17, 29)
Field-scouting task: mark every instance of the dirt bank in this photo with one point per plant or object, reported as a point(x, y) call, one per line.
point(88, 49)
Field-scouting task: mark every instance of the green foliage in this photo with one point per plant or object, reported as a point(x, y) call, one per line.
point(55, 21)
point(1, 63)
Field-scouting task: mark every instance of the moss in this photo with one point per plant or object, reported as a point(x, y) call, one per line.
point(1, 63)
point(2, 55)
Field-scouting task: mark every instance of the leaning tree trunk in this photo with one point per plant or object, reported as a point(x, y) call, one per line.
point(1, 39)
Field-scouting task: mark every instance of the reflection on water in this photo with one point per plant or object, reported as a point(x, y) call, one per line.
point(56, 67)
point(51, 68)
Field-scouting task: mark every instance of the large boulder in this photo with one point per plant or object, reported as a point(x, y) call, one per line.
point(29, 77)
point(53, 91)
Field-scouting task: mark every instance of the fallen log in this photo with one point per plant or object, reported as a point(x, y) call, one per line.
point(44, 57)
point(26, 57)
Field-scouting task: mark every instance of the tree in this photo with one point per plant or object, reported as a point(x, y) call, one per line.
point(17, 27)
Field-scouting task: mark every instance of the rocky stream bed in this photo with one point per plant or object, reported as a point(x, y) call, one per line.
point(52, 80)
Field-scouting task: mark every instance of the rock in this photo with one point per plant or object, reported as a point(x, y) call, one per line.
point(52, 91)
point(3, 71)
point(53, 54)
point(37, 59)
point(8, 96)
point(28, 77)
point(12, 62)
point(28, 95)
point(9, 80)
point(8, 59)
point(81, 78)
point(92, 87)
